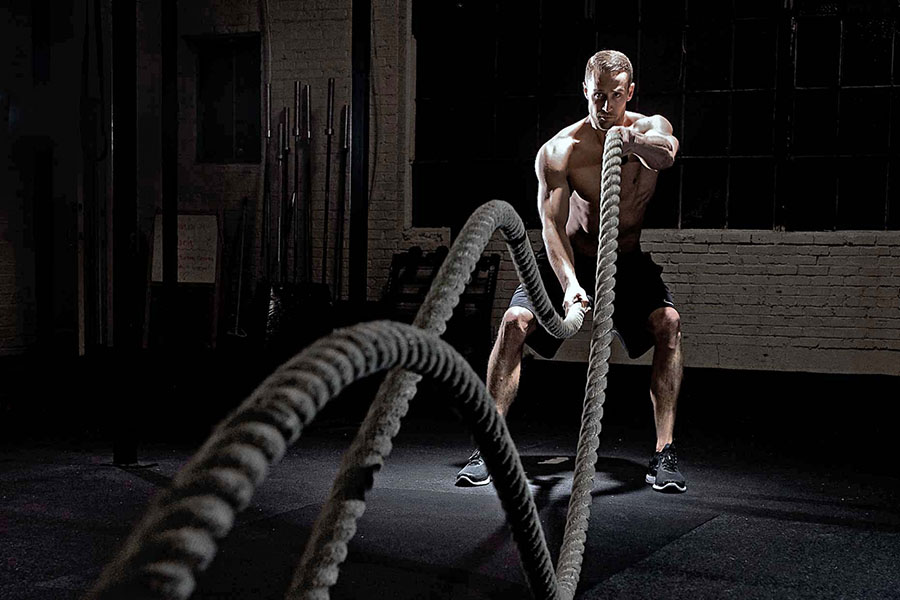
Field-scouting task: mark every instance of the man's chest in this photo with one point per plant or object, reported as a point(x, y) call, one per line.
point(636, 183)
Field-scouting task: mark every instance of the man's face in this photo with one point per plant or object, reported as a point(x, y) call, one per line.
point(607, 94)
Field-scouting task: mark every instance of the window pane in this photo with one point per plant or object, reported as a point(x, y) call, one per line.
point(818, 45)
point(867, 52)
point(660, 64)
point(703, 193)
point(516, 183)
point(720, 11)
point(517, 129)
point(895, 121)
point(567, 41)
point(708, 57)
point(247, 101)
point(433, 59)
point(468, 129)
point(448, 128)
point(870, 139)
point(817, 7)
point(758, 8)
point(215, 104)
point(558, 112)
point(437, 189)
point(752, 123)
point(893, 202)
point(430, 115)
point(667, 105)
point(228, 98)
point(896, 73)
point(456, 40)
point(751, 194)
point(754, 54)
point(815, 122)
point(662, 211)
point(518, 58)
point(622, 40)
point(861, 184)
point(869, 7)
point(705, 124)
point(473, 48)
point(667, 12)
point(808, 186)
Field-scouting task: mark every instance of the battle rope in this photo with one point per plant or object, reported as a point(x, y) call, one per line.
point(177, 537)
point(373, 442)
point(572, 551)
point(337, 521)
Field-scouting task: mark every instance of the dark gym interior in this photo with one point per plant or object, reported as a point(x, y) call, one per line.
point(192, 193)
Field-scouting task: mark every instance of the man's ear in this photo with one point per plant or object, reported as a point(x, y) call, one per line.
point(584, 88)
point(630, 91)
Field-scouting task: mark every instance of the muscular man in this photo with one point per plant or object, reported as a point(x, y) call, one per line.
point(568, 170)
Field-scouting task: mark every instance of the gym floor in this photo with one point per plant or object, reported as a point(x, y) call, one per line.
point(792, 493)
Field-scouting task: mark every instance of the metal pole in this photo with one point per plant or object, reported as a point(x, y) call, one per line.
point(238, 332)
point(267, 191)
point(329, 132)
point(342, 201)
point(295, 199)
point(307, 184)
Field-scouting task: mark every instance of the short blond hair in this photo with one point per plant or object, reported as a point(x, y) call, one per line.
point(609, 61)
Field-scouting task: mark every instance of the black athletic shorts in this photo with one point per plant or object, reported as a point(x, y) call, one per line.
point(639, 291)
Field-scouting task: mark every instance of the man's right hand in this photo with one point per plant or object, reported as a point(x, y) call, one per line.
point(575, 294)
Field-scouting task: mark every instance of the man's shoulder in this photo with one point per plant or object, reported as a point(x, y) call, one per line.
point(556, 151)
point(645, 123)
point(633, 117)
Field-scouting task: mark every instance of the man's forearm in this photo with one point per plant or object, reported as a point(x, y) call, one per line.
point(657, 151)
point(559, 253)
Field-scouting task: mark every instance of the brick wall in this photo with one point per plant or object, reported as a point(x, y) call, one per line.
point(17, 302)
point(310, 42)
point(817, 302)
point(38, 111)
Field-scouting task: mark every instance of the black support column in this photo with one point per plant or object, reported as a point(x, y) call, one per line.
point(359, 153)
point(127, 271)
point(169, 167)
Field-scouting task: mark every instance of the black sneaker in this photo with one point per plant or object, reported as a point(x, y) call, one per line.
point(474, 473)
point(663, 471)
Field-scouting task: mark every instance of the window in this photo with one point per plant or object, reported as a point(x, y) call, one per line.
point(228, 98)
point(785, 111)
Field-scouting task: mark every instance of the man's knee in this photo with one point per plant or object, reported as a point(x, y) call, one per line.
point(665, 324)
point(516, 324)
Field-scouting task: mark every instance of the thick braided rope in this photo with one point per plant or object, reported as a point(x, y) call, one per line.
point(336, 524)
point(572, 552)
point(177, 538)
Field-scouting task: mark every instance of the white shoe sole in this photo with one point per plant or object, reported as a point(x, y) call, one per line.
point(669, 487)
point(465, 481)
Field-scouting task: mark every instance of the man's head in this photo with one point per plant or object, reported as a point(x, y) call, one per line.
point(608, 86)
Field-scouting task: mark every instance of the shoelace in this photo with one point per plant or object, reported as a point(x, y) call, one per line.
point(669, 461)
point(475, 456)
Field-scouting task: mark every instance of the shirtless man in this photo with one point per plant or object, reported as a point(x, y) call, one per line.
point(568, 169)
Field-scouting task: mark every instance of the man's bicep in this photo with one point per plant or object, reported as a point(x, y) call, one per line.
point(654, 125)
point(553, 195)
point(657, 126)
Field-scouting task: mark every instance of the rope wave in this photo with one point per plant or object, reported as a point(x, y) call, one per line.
point(177, 537)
